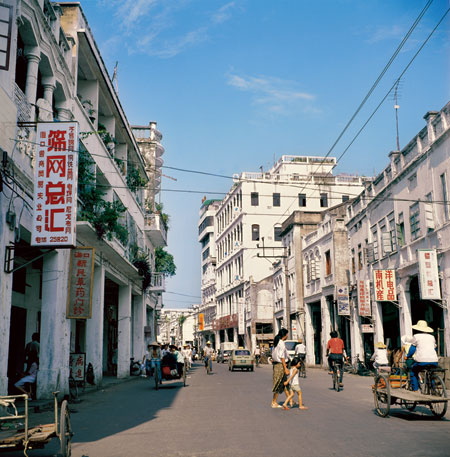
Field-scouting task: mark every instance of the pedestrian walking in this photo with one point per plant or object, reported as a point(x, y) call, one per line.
point(293, 385)
point(280, 357)
point(32, 350)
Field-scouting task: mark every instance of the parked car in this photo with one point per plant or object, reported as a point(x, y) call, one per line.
point(290, 347)
point(241, 358)
point(223, 357)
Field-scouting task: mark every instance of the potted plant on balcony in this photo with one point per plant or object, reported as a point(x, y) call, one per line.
point(141, 262)
point(108, 140)
point(89, 108)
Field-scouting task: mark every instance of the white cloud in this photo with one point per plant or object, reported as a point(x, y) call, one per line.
point(275, 95)
point(158, 27)
point(386, 33)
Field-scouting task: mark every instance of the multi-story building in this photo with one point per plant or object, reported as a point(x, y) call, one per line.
point(401, 222)
point(249, 227)
point(176, 326)
point(325, 278)
point(54, 73)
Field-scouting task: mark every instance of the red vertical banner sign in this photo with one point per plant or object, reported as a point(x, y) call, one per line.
point(364, 298)
point(55, 184)
point(81, 278)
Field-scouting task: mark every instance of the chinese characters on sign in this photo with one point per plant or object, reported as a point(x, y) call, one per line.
point(79, 297)
point(367, 328)
point(77, 363)
point(241, 322)
point(343, 303)
point(55, 184)
point(428, 275)
point(364, 298)
point(201, 321)
point(384, 285)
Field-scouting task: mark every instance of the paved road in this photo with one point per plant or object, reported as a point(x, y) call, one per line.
point(228, 414)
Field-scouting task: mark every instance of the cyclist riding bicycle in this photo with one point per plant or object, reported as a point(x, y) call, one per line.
point(336, 354)
point(300, 350)
point(208, 351)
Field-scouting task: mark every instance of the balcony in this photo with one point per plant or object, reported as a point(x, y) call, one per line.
point(158, 283)
point(155, 229)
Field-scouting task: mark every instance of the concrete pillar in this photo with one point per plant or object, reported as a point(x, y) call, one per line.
point(326, 325)
point(138, 326)
point(94, 325)
point(124, 324)
point(5, 321)
point(33, 56)
point(55, 328)
point(49, 85)
point(64, 113)
point(405, 308)
point(378, 318)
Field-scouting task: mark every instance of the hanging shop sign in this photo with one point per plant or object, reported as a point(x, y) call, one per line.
point(384, 285)
point(428, 274)
point(201, 322)
point(77, 366)
point(241, 320)
point(343, 303)
point(367, 328)
point(55, 184)
point(81, 279)
point(364, 307)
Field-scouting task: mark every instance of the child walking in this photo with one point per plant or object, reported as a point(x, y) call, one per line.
point(293, 385)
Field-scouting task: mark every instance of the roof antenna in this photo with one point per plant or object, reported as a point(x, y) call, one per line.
point(114, 78)
point(396, 107)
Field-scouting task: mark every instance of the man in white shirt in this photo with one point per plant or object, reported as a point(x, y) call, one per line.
point(300, 350)
point(208, 352)
point(423, 347)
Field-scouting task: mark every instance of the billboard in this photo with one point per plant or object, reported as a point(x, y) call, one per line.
point(428, 274)
point(55, 184)
point(364, 308)
point(384, 285)
point(81, 282)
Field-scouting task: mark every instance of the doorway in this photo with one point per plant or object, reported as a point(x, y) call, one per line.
point(316, 321)
point(17, 329)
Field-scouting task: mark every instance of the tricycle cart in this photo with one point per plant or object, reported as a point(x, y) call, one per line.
point(20, 436)
point(391, 389)
point(166, 375)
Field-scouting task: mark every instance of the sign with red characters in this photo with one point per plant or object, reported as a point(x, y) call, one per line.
point(81, 275)
point(384, 285)
point(55, 184)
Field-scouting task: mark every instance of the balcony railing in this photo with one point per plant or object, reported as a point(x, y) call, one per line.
point(155, 229)
point(158, 282)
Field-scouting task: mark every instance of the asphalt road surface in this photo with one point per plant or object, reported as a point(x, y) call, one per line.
point(228, 414)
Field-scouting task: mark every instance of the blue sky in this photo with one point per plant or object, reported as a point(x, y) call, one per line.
point(233, 85)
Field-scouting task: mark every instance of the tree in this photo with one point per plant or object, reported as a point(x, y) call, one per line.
point(164, 262)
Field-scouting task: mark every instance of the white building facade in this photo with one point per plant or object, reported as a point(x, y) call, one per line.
point(402, 215)
point(54, 73)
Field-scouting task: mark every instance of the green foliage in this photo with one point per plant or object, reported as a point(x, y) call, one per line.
point(103, 215)
point(164, 216)
point(134, 178)
point(164, 262)
point(141, 262)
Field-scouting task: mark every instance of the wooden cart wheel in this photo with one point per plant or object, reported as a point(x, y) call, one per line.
point(409, 405)
point(156, 376)
point(437, 389)
point(382, 395)
point(65, 430)
point(184, 375)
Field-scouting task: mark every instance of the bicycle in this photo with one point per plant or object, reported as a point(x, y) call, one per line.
point(337, 367)
point(302, 370)
point(73, 389)
point(208, 365)
point(135, 367)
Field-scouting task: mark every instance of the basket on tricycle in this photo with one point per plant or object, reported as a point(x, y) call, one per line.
point(20, 436)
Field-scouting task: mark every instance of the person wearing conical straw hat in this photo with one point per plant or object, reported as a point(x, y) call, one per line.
point(423, 347)
point(379, 356)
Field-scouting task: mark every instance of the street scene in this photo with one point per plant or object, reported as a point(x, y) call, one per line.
point(224, 228)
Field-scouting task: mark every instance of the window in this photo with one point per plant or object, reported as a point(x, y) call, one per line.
point(360, 258)
point(429, 216)
point(327, 263)
point(353, 261)
point(345, 198)
point(302, 200)
point(6, 21)
point(277, 233)
point(445, 196)
point(414, 221)
point(255, 232)
point(254, 196)
point(276, 199)
point(400, 228)
point(324, 200)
